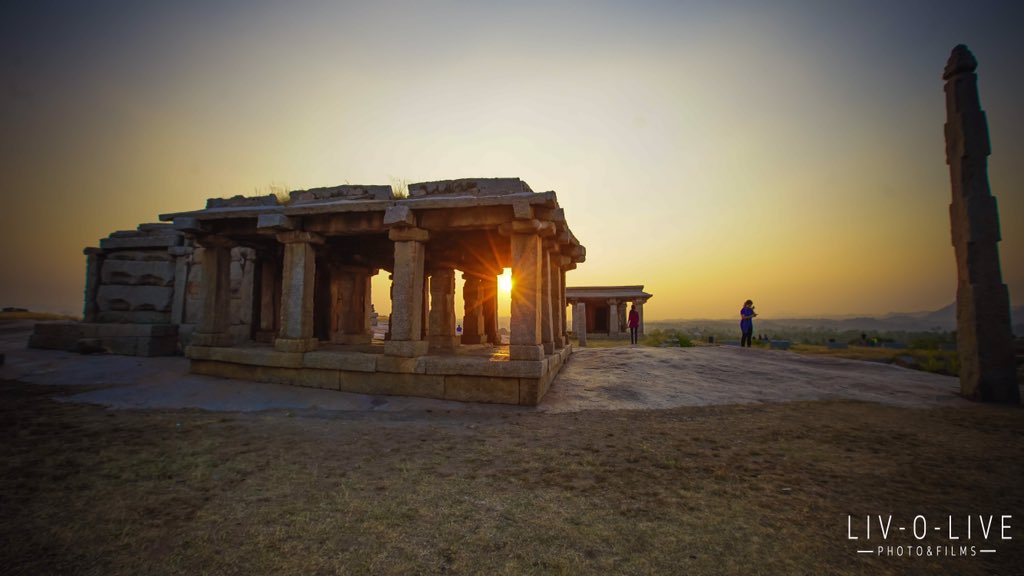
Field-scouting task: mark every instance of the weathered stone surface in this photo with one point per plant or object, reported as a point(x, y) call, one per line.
point(138, 273)
point(342, 192)
point(469, 187)
point(56, 335)
point(242, 201)
point(396, 384)
point(275, 222)
point(249, 355)
point(215, 294)
point(579, 322)
point(406, 348)
point(442, 310)
point(348, 361)
point(295, 344)
point(400, 364)
point(127, 339)
point(142, 255)
point(406, 234)
point(479, 389)
point(407, 297)
point(135, 298)
point(297, 291)
point(131, 317)
point(984, 333)
point(526, 297)
point(399, 215)
point(526, 352)
point(141, 241)
point(468, 366)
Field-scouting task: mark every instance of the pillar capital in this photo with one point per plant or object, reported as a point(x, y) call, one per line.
point(408, 234)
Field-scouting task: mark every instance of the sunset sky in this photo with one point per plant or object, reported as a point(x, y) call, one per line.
point(787, 152)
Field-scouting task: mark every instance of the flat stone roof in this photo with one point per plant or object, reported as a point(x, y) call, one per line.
point(599, 292)
point(463, 193)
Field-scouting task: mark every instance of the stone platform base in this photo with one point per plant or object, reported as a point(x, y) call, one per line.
point(462, 377)
point(127, 339)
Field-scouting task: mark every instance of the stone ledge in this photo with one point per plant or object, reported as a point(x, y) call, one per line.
point(247, 356)
point(464, 379)
point(477, 367)
point(352, 361)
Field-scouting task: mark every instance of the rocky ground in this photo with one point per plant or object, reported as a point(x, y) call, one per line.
point(640, 460)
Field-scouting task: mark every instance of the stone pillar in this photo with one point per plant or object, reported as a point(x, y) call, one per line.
point(557, 302)
point(640, 311)
point(349, 309)
point(613, 318)
point(565, 263)
point(215, 306)
point(984, 333)
point(391, 298)
point(579, 322)
point(442, 334)
point(298, 281)
point(407, 293)
point(182, 262)
point(546, 321)
point(425, 315)
point(473, 298)
point(489, 307)
point(527, 253)
point(93, 264)
point(270, 299)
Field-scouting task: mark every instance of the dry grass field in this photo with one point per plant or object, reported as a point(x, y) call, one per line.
point(751, 489)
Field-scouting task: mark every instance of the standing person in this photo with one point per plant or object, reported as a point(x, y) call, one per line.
point(634, 324)
point(747, 323)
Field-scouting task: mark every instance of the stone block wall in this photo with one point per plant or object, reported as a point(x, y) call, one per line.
point(134, 278)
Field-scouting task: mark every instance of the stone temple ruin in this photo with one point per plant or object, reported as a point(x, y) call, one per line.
point(601, 311)
point(255, 289)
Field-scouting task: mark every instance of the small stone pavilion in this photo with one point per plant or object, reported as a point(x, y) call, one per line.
point(280, 292)
point(601, 311)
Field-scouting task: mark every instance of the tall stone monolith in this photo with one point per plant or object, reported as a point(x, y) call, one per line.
point(984, 333)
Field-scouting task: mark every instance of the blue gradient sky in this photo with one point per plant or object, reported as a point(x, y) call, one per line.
point(791, 153)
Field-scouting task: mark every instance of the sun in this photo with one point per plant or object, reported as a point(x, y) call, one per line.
point(505, 281)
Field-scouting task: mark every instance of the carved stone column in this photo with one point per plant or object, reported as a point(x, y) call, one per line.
point(527, 299)
point(489, 307)
point(349, 308)
point(473, 316)
point(613, 317)
point(557, 300)
point(546, 320)
point(565, 264)
point(407, 304)
point(270, 278)
point(579, 322)
point(298, 281)
point(640, 311)
point(442, 310)
point(215, 309)
point(984, 333)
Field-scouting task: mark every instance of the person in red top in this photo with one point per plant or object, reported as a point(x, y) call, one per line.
point(634, 324)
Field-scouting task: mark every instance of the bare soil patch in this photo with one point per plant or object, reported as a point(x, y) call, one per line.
point(699, 490)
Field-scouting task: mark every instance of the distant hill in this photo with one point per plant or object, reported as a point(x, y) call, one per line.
point(941, 320)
